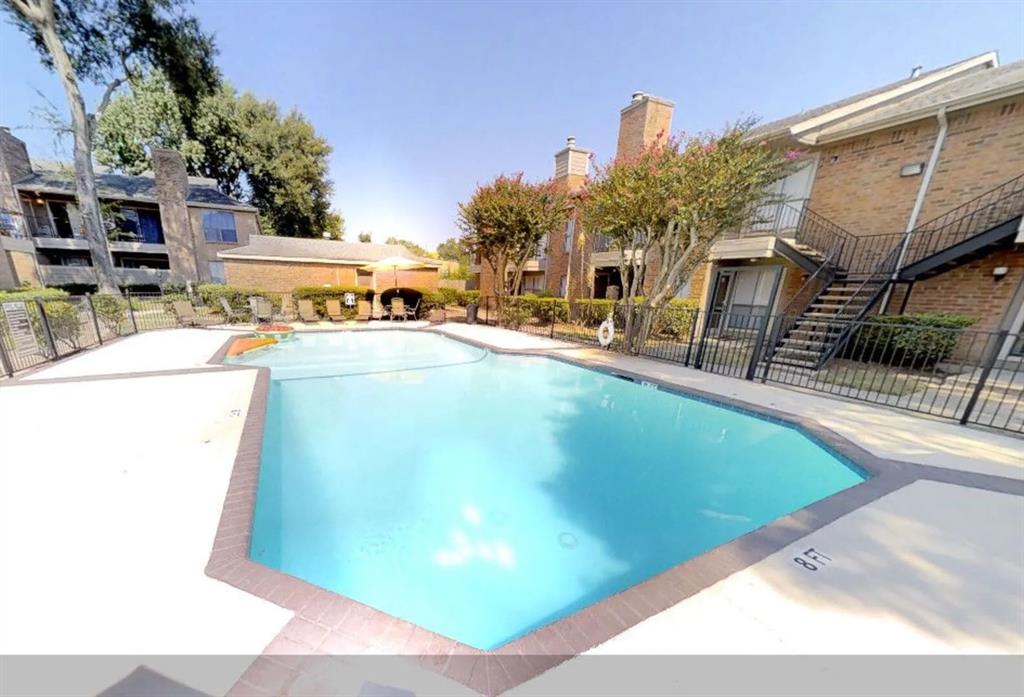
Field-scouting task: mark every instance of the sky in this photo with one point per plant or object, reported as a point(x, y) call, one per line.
point(423, 101)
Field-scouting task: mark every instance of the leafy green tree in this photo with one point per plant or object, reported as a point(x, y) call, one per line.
point(506, 222)
point(664, 209)
point(453, 249)
point(276, 162)
point(411, 246)
point(366, 237)
point(335, 225)
point(105, 42)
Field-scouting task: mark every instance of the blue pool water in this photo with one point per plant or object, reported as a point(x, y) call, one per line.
point(482, 496)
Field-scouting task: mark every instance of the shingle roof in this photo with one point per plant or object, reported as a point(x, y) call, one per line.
point(781, 126)
point(315, 249)
point(61, 180)
point(959, 88)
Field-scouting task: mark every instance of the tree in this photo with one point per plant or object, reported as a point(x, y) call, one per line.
point(335, 225)
point(411, 246)
point(453, 249)
point(506, 221)
point(664, 209)
point(276, 163)
point(366, 237)
point(105, 42)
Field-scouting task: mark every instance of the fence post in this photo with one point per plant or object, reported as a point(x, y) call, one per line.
point(758, 342)
point(990, 361)
point(776, 335)
point(553, 311)
point(693, 330)
point(5, 362)
point(47, 334)
point(131, 312)
point(95, 322)
point(487, 309)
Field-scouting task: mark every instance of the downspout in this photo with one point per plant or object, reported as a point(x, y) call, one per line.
point(926, 180)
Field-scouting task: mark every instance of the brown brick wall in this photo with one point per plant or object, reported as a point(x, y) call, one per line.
point(284, 277)
point(970, 290)
point(858, 184)
point(643, 122)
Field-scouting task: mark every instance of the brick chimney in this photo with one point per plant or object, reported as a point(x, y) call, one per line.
point(572, 164)
point(646, 120)
point(172, 195)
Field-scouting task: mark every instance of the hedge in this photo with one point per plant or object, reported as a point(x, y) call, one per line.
point(30, 295)
point(321, 294)
point(237, 297)
point(912, 340)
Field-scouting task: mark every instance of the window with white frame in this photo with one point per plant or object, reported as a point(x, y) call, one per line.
point(570, 232)
point(219, 226)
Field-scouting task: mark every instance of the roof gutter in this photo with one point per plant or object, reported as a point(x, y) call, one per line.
point(922, 191)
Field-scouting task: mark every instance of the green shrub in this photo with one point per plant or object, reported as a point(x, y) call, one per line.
point(30, 294)
point(676, 319)
point(65, 325)
point(515, 313)
point(111, 312)
point(321, 294)
point(917, 340)
point(454, 296)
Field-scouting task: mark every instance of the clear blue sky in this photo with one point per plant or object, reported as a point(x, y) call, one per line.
point(422, 101)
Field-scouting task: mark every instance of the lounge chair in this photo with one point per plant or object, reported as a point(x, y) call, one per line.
point(334, 312)
point(412, 312)
point(187, 316)
point(230, 314)
point(364, 310)
point(378, 310)
point(397, 308)
point(306, 311)
point(287, 308)
point(262, 310)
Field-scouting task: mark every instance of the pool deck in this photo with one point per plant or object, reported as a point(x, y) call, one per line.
point(113, 563)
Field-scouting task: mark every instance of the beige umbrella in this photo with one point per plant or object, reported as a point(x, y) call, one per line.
point(395, 263)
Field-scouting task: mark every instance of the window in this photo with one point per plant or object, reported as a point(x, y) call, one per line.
point(219, 226)
point(217, 272)
point(561, 285)
point(570, 232)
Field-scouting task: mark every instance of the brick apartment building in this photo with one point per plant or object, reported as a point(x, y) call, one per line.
point(909, 199)
point(167, 227)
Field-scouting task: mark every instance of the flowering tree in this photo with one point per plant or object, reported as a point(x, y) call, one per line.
point(505, 222)
point(663, 209)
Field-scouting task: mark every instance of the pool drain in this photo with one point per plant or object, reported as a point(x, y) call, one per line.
point(568, 540)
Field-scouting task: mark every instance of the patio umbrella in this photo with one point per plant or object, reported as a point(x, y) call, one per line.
point(395, 263)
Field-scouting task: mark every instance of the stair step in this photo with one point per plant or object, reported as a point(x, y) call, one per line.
point(828, 315)
point(800, 352)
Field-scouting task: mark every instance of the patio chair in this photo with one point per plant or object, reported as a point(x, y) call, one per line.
point(287, 308)
point(306, 311)
point(262, 310)
point(397, 309)
point(230, 314)
point(334, 312)
point(413, 312)
point(187, 316)
point(364, 310)
point(378, 309)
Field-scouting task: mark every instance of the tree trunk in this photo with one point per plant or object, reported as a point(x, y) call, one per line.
point(85, 178)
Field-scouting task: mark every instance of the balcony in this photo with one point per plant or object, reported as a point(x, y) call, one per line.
point(142, 277)
point(537, 263)
point(56, 275)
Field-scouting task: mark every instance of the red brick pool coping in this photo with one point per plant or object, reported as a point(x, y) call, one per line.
point(329, 624)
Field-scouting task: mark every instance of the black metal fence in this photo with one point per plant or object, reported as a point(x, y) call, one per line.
point(968, 375)
point(43, 329)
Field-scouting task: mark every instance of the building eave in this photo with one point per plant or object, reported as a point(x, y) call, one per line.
point(229, 255)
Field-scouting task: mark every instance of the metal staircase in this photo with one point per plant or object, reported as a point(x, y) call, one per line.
point(850, 281)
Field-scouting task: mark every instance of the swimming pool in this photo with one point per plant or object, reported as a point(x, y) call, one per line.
point(482, 496)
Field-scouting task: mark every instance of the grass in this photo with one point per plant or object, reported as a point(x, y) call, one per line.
point(878, 379)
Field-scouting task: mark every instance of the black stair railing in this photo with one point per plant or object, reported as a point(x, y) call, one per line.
point(984, 212)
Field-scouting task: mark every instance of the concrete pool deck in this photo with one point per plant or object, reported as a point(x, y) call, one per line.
point(931, 567)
